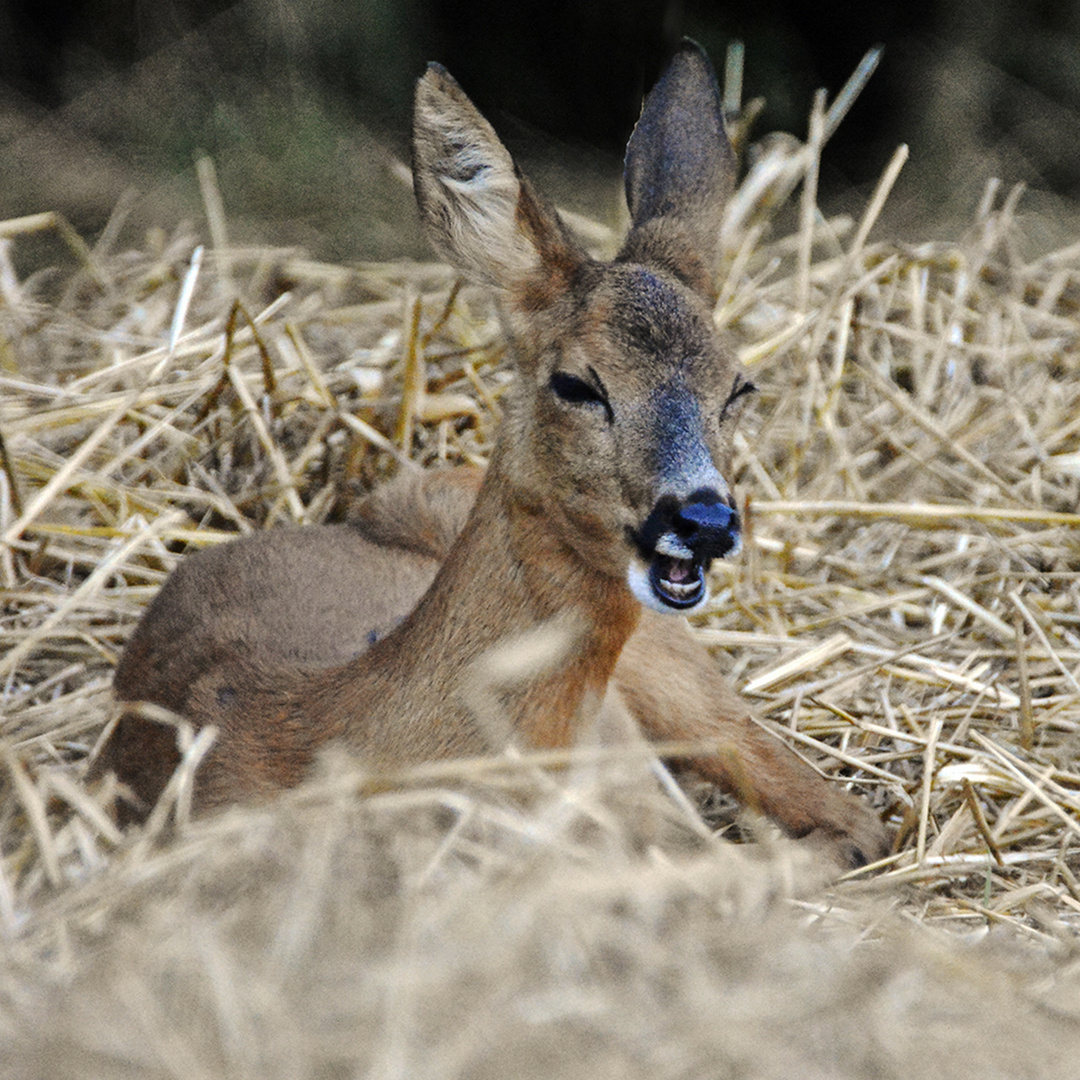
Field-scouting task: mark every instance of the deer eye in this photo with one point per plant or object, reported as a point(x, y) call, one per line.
point(577, 391)
point(574, 390)
point(741, 388)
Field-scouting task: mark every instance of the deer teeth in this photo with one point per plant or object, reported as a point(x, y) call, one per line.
point(679, 583)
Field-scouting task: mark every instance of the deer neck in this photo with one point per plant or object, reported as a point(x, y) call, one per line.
point(509, 583)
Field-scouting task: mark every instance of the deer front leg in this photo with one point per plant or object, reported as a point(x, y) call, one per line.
point(671, 685)
point(676, 691)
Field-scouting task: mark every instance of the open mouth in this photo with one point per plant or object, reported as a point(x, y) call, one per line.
point(676, 545)
point(678, 583)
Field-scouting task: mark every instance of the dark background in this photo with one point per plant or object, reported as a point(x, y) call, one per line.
point(304, 106)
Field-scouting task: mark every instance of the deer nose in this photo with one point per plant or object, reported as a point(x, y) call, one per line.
point(708, 526)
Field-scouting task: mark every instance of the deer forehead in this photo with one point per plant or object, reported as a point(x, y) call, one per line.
point(646, 330)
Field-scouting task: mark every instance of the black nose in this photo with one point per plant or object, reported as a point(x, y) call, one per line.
point(708, 526)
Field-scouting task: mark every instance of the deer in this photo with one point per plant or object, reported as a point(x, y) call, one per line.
point(603, 506)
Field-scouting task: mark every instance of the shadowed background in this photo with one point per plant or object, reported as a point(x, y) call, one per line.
point(304, 106)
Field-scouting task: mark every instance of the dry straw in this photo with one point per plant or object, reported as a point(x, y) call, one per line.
point(907, 611)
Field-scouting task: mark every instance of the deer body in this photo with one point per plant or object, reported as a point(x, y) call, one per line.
point(604, 504)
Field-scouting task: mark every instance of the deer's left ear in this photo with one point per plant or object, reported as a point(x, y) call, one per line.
point(479, 212)
point(680, 172)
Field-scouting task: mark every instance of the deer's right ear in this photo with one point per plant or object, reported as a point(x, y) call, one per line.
point(680, 172)
point(480, 213)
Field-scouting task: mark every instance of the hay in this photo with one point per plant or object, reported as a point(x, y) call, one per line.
point(432, 933)
point(907, 606)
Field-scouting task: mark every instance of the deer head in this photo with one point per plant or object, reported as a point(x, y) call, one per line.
point(618, 434)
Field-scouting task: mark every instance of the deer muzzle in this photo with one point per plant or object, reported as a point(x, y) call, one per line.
point(677, 543)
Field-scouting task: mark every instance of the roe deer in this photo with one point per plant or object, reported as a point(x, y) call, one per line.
point(603, 505)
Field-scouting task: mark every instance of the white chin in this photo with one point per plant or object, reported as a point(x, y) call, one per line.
point(637, 577)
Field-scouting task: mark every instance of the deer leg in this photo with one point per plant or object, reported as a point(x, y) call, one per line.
point(676, 692)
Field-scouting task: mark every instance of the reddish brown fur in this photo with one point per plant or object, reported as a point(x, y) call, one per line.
point(288, 640)
point(557, 255)
point(673, 687)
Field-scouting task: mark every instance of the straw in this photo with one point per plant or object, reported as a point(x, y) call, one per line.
point(907, 609)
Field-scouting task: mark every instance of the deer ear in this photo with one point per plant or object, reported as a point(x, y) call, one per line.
point(680, 171)
point(479, 212)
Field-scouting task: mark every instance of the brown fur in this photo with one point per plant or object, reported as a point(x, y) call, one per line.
point(287, 641)
point(672, 686)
